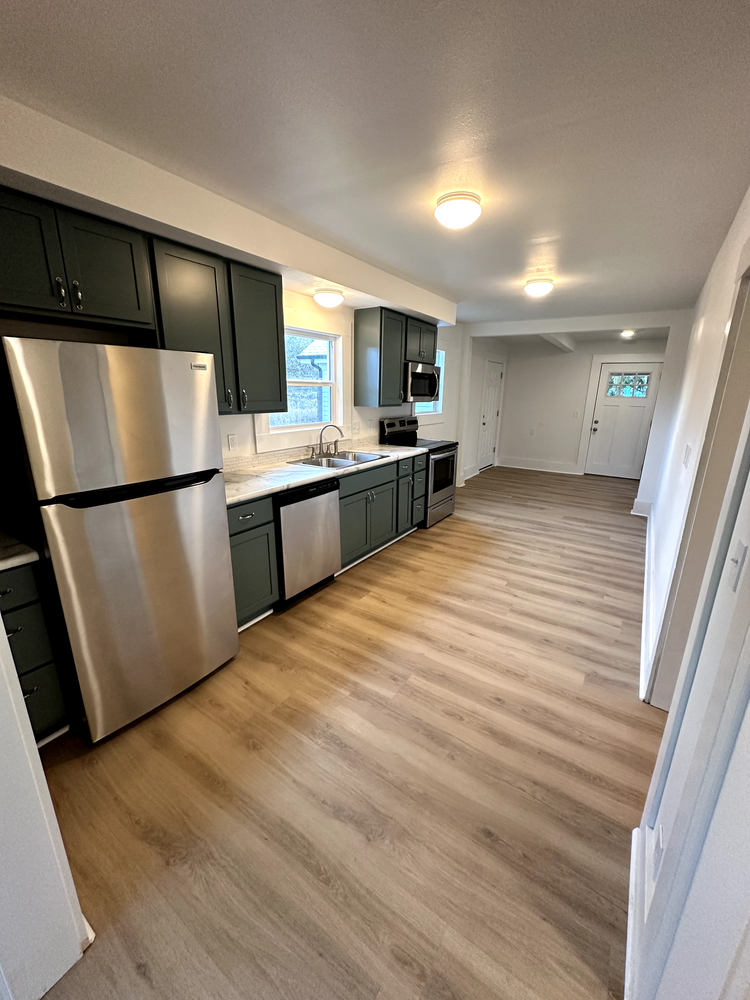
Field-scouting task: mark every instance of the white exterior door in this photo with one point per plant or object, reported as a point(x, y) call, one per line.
point(622, 419)
point(492, 387)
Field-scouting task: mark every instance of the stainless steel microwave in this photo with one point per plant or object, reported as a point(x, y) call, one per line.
point(421, 382)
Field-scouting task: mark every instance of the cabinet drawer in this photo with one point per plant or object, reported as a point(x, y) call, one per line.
point(357, 482)
point(420, 484)
point(27, 636)
point(405, 467)
point(420, 462)
point(250, 515)
point(417, 511)
point(17, 587)
point(44, 700)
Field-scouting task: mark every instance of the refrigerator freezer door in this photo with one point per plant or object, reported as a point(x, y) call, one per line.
point(146, 588)
point(96, 416)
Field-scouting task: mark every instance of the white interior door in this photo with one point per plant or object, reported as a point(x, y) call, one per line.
point(622, 419)
point(492, 387)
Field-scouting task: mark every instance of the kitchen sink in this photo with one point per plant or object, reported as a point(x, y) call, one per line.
point(343, 460)
point(324, 462)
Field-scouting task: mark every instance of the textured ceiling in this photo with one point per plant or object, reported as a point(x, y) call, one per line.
point(609, 141)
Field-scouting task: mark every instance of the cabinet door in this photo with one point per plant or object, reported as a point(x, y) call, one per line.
point(354, 520)
point(404, 504)
point(392, 335)
point(258, 315)
point(429, 343)
point(193, 297)
point(27, 637)
point(413, 340)
point(44, 700)
point(107, 267)
point(382, 515)
point(256, 583)
point(31, 262)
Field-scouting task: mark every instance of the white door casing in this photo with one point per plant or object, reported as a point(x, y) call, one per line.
point(625, 400)
point(489, 423)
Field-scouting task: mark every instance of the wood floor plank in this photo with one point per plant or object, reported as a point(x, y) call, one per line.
point(418, 784)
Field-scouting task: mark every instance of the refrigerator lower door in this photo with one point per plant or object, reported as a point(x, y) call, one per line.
point(147, 591)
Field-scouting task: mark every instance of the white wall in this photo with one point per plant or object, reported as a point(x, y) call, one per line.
point(705, 350)
point(475, 352)
point(42, 929)
point(56, 161)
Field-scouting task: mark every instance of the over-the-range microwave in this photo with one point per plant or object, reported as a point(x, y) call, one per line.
point(421, 382)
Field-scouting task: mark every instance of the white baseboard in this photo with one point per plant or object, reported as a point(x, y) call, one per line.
point(642, 508)
point(472, 470)
point(253, 622)
point(375, 551)
point(539, 465)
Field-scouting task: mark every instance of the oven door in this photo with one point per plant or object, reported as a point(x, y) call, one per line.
point(442, 481)
point(422, 383)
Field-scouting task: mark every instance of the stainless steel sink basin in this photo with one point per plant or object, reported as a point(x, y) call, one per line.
point(324, 462)
point(343, 460)
point(360, 456)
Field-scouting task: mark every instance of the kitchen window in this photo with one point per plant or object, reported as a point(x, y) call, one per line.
point(436, 406)
point(311, 379)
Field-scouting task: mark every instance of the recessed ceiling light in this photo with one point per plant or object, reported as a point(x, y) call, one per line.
point(329, 297)
point(537, 287)
point(458, 209)
point(627, 334)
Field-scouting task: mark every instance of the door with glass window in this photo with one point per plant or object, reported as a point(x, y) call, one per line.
point(625, 401)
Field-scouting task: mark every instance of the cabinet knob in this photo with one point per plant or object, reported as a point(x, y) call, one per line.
point(78, 294)
point(61, 293)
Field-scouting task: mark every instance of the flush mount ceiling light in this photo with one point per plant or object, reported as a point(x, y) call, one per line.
point(537, 287)
point(458, 209)
point(329, 297)
point(627, 334)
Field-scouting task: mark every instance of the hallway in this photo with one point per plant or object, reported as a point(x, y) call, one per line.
point(419, 784)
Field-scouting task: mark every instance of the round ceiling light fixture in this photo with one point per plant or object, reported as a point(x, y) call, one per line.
point(537, 287)
point(458, 209)
point(329, 297)
point(627, 334)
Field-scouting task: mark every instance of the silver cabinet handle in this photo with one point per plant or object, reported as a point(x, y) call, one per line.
point(401, 394)
point(29, 693)
point(61, 293)
point(230, 399)
point(14, 631)
point(78, 294)
point(244, 400)
point(245, 517)
point(4, 593)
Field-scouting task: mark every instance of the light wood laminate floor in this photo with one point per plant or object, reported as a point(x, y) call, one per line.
point(418, 784)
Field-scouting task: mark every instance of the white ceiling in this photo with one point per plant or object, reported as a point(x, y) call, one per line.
point(608, 141)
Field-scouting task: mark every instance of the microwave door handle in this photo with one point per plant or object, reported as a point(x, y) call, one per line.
point(435, 385)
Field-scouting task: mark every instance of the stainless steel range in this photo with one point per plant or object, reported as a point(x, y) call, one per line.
point(441, 467)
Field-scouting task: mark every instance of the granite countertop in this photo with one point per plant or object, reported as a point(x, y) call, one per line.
point(260, 481)
point(13, 553)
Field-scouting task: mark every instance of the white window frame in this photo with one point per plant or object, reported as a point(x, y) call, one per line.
point(436, 406)
point(268, 438)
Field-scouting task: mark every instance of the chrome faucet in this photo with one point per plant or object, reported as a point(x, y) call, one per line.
point(335, 443)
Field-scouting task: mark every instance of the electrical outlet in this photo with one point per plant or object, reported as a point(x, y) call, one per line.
point(686, 459)
point(355, 427)
point(232, 442)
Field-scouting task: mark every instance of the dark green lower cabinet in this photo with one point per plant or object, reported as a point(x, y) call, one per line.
point(404, 504)
point(44, 700)
point(368, 520)
point(256, 582)
point(355, 536)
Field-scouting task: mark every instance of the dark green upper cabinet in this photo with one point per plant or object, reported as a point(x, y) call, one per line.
point(31, 263)
point(193, 300)
point(107, 269)
point(379, 345)
point(258, 314)
point(421, 341)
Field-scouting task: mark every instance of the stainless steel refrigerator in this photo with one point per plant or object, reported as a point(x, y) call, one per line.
point(125, 453)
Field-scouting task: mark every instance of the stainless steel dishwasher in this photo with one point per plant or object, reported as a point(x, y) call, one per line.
point(308, 519)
